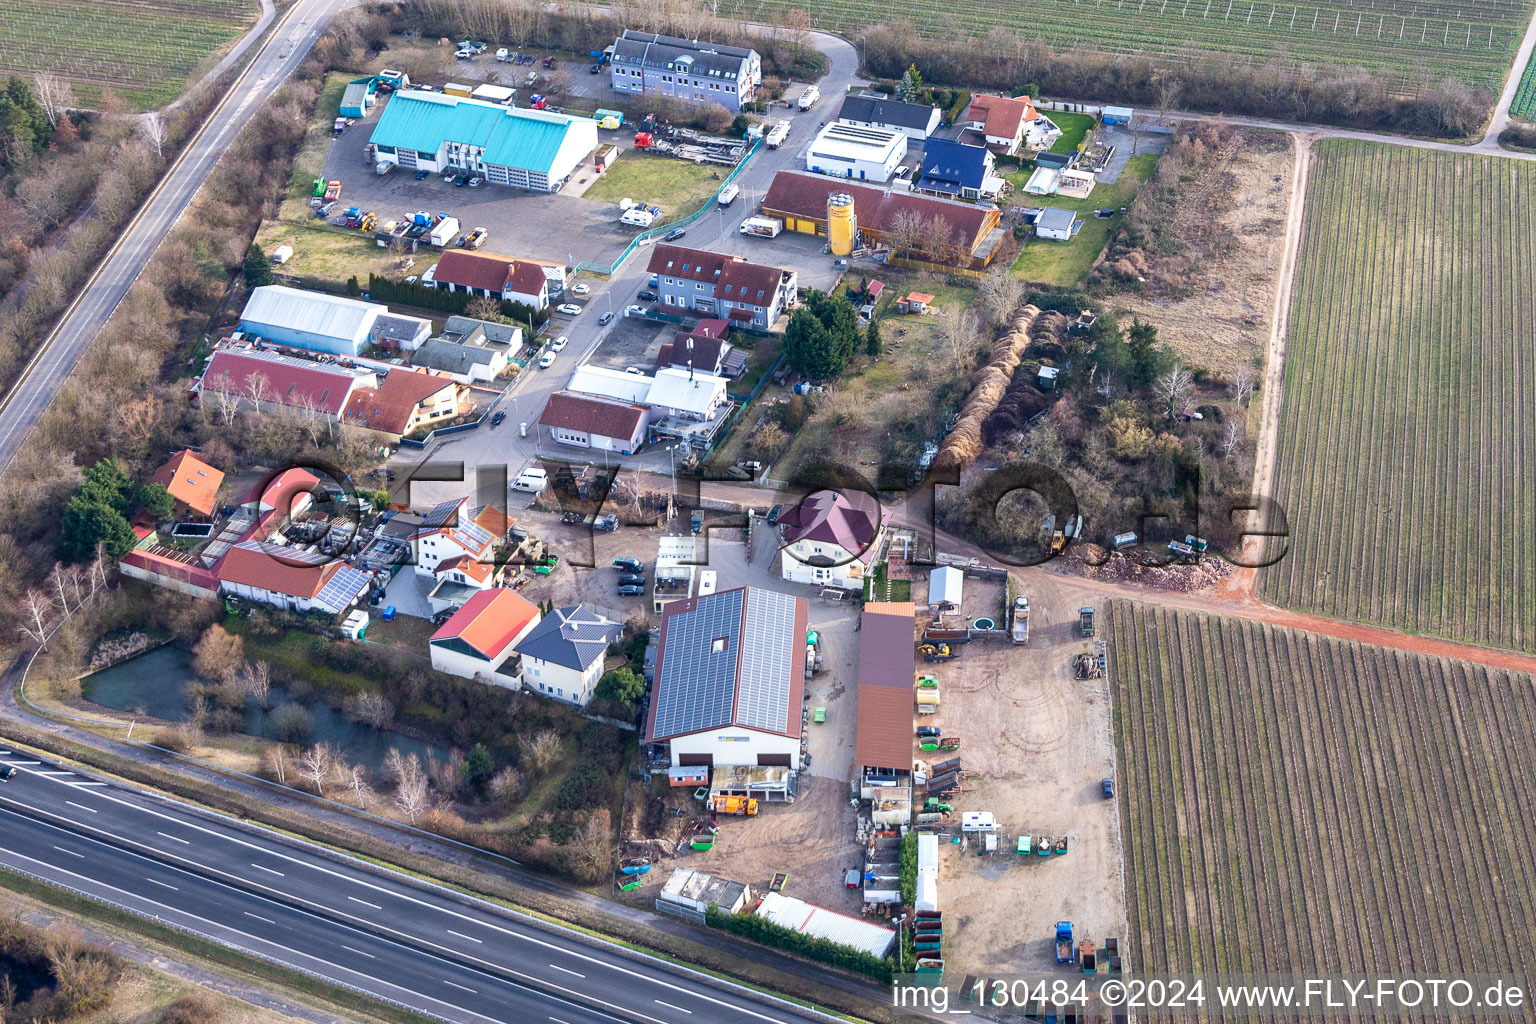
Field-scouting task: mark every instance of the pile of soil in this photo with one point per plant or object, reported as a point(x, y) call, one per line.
point(1096, 563)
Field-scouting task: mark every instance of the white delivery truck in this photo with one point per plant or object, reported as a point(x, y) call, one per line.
point(728, 195)
point(776, 135)
point(762, 227)
point(444, 232)
point(809, 97)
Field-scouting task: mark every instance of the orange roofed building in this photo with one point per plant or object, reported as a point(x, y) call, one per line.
point(482, 635)
point(192, 482)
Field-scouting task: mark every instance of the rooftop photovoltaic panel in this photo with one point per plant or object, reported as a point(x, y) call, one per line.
point(343, 587)
point(440, 514)
point(767, 661)
point(697, 685)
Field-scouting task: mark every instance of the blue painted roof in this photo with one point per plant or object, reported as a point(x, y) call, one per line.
point(509, 136)
point(953, 164)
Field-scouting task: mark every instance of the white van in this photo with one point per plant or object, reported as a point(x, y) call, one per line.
point(728, 195)
point(533, 480)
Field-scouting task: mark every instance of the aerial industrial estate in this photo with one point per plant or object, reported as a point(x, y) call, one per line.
point(515, 513)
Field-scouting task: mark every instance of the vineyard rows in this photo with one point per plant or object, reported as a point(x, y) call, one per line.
point(142, 49)
point(1295, 803)
point(1407, 443)
point(1524, 103)
point(1474, 41)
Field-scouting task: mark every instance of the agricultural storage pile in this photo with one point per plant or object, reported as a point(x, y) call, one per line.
point(964, 443)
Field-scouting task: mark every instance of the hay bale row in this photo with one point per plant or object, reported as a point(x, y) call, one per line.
point(964, 443)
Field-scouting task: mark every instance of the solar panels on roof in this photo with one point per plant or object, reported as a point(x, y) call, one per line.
point(763, 697)
point(344, 587)
point(699, 680)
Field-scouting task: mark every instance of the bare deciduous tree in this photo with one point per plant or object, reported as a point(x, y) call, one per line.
point(255, 678)
point(411, 796)
point(54, 95)
point(37, 611)
point(278, 759)
point(357, 781)
point(225, 400)
point(1231, 437)
point(316, 765)
point(371, 709)
point(958, 334)
point(1173, 389)
point(402, 767)
point(593, 847)
point(1241, 387)
point(539, 751)
point(155, 132)
point(258, 388)
point(1000, 295)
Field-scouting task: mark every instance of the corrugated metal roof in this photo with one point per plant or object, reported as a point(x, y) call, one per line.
point(887, 664)
point(333, 316)
point(508, 136)
point(821, 923)
point(689, 392)
point(945, 585)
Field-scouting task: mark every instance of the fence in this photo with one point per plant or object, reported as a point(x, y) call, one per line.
point(457, 428)
point(661, 229)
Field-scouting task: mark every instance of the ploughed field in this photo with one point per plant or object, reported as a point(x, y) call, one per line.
point(1407, 442)
point(1420, 42)
point(1295, 803)
point(142, 50)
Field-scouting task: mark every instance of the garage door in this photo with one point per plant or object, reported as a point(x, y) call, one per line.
point(775, 760)
point(696, 760)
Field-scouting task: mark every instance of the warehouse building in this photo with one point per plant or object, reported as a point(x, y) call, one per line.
point(849, 151)
point(327, 323)
point(882, 745)
point(532, 149)
point(267, 381)
point(975, 231)
point(684, 69)
point(730, 674)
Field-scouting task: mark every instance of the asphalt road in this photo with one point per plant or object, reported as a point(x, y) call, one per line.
point(57, 355)
point(373, 931)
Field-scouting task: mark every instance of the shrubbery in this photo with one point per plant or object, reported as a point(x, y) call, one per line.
point(763, 931)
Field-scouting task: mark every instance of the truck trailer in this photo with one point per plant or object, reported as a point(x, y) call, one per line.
point(762, 227)
point(1064, 951)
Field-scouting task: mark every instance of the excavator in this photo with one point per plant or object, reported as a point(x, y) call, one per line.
point(937, 652)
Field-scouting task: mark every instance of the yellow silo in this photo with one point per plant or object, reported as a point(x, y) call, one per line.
point(842, 225)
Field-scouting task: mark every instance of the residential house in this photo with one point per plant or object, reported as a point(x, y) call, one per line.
point(730, 671)
point(974, 230)
point(1010, 125)
point(192, 483)
point(406, 401)
point(250, 377)
point(290, 578)
point(532, 149)
point(703, 348)
point(956, 171)
point(482, 635)
point(830, 539)
point(745, 294)
point(563, 654)
point(686, 394)
point(332, 324)
point(913, 120)
point(582, 421)
point(684, 69)
point(471, 351)
point(453, 530)
point(491, 276)
point(1057, 224)
point(860, 153)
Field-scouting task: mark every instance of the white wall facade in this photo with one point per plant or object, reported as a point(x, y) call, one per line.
point(733, 746)
point(849, 574)
point(560, 682)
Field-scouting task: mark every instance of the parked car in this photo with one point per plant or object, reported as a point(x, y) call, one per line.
point(696, 521)
point(569, 309)
point(646, 296)
point(449, 176)
point(496, 419)
point(533, 479)
point(629, 564)
point(674, 234)
point(546, 360)
point(631, 590)
point(634, 370)
point(474, 182)
point(559, 343)
point(606, 318)
point(632, 578)
point(633, 310)
point(1107, 787)
point(773, 514)
point(595, 69)
point(580, 289)
point(422, 175)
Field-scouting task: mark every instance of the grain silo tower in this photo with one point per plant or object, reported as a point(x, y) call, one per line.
point(842, 225)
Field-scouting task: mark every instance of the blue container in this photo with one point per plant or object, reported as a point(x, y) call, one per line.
point(389, 613)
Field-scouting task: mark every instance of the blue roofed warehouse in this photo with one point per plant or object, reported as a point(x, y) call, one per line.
point(532, 149)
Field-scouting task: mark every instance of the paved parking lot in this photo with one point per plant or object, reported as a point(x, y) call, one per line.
point(631, 342)
point(530, 224)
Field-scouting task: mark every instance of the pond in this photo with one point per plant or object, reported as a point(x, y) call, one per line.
point(155, 683)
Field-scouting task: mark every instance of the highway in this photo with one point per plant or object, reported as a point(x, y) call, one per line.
point(57, 354)
point(370, 930)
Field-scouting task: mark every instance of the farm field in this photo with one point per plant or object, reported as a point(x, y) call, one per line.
point(142, 50)
point(1405, 460)
point(1298, 803)
point(1524, 103)
point(1474, 42)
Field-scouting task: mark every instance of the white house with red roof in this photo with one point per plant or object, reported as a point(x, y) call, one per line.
point(451, 531)
point(482, 635)
point(831, 539)
point(492, 276)
point(406, 401)
point(191, 482)
point(1010, 124)
point(290, 578)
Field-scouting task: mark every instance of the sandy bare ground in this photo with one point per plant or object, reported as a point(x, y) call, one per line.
point(1226, 324)
point(1040, 742)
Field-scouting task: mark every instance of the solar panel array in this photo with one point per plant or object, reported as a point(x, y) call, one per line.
point(768, 662)
point(697, 685)
point(343, 587)
point(440, 514)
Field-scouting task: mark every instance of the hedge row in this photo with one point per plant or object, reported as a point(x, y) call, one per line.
point(382, 289)
point(764, 931)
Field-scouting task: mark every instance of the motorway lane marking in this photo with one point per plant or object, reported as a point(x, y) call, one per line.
point(359, 952)
point(83, 782)
point(259, 867)
point(167, 835)
point(638, 975)
point(157, 881)
point(567, 970)
point(679, 1009)
point(461, 935)
point(557, 1020)
point(260, 918)
point(81, 806)
point(455, 984)
point(72, 853)
point(46, 771)
point(25, 762)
